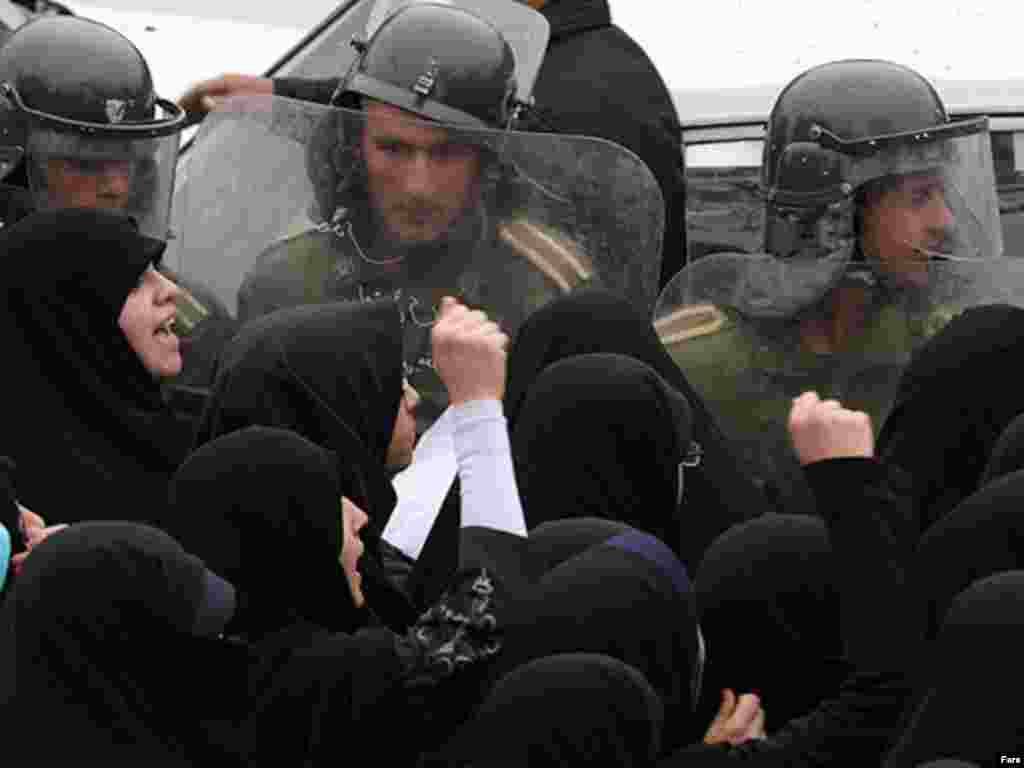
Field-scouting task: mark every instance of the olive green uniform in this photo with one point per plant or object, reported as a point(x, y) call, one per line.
point(511, 271)
point(749, 371)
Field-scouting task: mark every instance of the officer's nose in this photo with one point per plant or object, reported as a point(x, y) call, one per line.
point(418, 175)
point(939, 217)
point(115, 180)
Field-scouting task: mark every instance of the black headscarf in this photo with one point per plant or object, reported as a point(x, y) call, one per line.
point(566, 710)
point(983, 535)
point(961, 374)
point(969, 709)
point(629, 598)
point(604, 436)
point(595, 321)
point(110, 638)
point(84, 420)
point(332, 373)
point(1008, 453)
point(775, 576)
point(262, 507)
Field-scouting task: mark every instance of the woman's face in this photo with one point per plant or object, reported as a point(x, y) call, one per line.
point(403, 439)
point(352, 521)
point(145, 321)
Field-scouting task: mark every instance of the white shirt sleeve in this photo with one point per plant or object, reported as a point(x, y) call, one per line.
point(422, 488)
point(490, 497)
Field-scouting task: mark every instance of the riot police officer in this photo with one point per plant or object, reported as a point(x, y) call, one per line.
point(412, 199)
point(877, 206)
point(81, 126)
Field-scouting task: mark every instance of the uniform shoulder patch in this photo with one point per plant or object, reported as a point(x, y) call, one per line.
point(552, 253)
point(689, 322)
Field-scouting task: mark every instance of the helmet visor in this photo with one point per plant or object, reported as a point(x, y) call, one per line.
point(132, 175)
point(927, 194)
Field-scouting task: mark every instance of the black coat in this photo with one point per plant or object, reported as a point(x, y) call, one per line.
point(595, 81)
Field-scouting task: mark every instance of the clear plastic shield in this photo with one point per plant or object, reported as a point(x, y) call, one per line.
point(133, 175)
point(525, 30)
point(751, 332)
point(298, 203)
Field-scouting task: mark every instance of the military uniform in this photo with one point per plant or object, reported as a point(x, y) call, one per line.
point(511, 270)
point(749, 370)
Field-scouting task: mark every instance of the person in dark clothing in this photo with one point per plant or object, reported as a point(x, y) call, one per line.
point(111, 621)
point(85, 327)
point(571, 709)
point(946, 458)
point(1007, 454)
point(979, 537)
point(595, 81)
point(968, 710)
point(856, 721)
point(264, 494)
point(605, 436)
point(343, 390)
point(332, 373)
point(594, 321)
point(776, 573)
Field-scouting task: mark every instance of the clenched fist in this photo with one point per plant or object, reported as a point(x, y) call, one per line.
point(825, 430)
point(738, 720)
point(469, 353)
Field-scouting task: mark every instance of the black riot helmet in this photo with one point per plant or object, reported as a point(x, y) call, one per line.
point(77, 102)
point(439, 62)
point(842, 129)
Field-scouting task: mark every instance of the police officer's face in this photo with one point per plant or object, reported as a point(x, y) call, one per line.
point(904, 222)
point(88, 183)
point(145, 321)
point(420, 182)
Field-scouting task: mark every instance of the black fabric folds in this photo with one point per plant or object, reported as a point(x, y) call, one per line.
point(960, 374)
point(604, 436)
point(969, 710)
point(332, 373)
point(1008, 453)
point(775, 575)
point(262, 507)
point(982, 536)
point(103, 620)
point(568, 710)
point(629, 598)
point(595, 321)
point(84, 420)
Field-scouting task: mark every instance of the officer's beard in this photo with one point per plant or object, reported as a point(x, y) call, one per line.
point(447, 253)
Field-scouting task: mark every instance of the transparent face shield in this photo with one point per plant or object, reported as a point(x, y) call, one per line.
point(924, 195)
point(134, 176)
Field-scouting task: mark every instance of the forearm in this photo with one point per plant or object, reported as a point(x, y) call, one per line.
point(490, 496)
point(869, 525)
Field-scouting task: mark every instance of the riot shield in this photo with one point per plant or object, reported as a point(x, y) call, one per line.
point(289, 202)
point(751, 332)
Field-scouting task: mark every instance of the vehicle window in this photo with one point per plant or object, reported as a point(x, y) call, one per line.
point(724, 206)
point(723, 200)
point(1008, 159)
